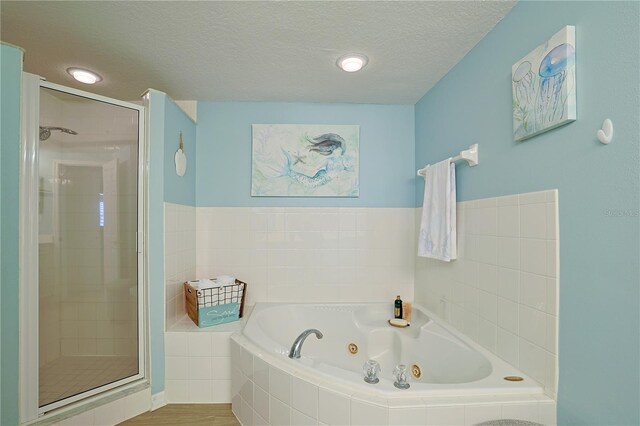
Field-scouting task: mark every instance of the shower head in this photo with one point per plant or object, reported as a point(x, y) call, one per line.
point(45, 131)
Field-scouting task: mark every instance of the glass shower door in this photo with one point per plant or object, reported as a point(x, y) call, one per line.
point(89, 307)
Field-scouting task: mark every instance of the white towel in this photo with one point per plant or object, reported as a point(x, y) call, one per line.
point(437, 237)
point(204, 283)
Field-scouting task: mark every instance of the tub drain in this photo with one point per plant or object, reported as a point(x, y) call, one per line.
point(416, 372)
point(353, 348)
point(513, 378)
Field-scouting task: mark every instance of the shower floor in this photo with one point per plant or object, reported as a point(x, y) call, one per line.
point(71, 375)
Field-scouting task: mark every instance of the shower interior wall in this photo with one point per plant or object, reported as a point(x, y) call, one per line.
point(85, 312)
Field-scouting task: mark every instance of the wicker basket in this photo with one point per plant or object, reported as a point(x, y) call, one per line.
point(214, 306)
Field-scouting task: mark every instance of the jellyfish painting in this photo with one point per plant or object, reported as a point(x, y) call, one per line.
point(524, 91)
point(553, 79)
point(543, 84)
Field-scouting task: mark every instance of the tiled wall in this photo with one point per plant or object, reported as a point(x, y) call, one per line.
point(49, 305)
point(81, 236)
point(503, 289)
point(88, 303)
point(88, 270)
point(179, 257)
point(197, 367)
point(98, 309)
point(93, 324)
point(284, 254)
point(310, 254)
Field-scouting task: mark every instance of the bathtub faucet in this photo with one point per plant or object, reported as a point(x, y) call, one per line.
point(297, 344)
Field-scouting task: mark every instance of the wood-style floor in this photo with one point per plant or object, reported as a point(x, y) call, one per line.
point(187, 414)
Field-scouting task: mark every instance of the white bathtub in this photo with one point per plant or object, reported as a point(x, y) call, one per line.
point(455, 371)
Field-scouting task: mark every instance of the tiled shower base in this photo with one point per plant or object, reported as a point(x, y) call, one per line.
point(71, 375)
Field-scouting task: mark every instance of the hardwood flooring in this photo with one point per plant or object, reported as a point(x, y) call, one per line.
point(187, 414)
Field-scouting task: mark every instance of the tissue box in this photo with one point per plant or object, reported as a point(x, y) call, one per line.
point(214, 306)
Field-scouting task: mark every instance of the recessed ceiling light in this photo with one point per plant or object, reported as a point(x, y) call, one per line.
point(352, 62)
point(84, 76)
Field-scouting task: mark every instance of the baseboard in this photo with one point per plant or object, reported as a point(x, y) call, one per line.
point(158, 400)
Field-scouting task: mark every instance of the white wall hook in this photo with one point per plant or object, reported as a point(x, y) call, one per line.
point(180, 159)
point(605, 135)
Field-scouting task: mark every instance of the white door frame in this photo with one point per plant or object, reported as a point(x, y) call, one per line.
point(29, 246)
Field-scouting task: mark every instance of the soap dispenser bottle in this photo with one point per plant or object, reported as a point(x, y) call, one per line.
point(397, 311)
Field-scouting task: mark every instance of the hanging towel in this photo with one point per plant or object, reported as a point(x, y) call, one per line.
point(437, 237)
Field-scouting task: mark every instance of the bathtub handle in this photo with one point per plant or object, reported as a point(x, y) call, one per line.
point(294, 353)
point(400, 372)
point(371, 369)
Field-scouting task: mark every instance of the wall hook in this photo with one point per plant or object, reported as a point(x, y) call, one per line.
point(605, 135)
point(180, 159)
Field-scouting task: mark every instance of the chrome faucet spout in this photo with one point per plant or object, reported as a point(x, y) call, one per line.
point(297, 344)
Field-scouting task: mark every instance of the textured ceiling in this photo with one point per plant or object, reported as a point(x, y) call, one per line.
point(250, 51)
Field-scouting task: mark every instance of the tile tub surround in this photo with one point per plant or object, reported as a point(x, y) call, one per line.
point(274, 393)
point(309, 254)
point(198, 361)
point(503, 290)
point(284, 254)
point(198, 366)
point(179, 257)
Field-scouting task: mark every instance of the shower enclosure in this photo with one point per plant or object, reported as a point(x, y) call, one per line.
point(82, 295)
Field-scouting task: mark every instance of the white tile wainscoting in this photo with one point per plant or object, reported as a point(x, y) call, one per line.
point(179, 257)
point(284, 254)
point(198, 362)
point(293, 254)
point(197, 367)
point(265, 395)
point(502, 291)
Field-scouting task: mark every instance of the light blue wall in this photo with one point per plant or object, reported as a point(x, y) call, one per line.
point(387, 151)
point(166, 119)
point(179, 190)
point(10, 88)
point(156, 160)
point(599, 267)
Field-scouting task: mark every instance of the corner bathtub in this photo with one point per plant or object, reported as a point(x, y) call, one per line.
point(326, 384)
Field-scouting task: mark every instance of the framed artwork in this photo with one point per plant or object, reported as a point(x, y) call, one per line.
point(305, 160)
point(544, 86)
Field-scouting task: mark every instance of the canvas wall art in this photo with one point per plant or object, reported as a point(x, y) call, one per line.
point(544, 86)
point(292, 160)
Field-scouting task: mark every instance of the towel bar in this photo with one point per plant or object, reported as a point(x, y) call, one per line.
point(469, 155)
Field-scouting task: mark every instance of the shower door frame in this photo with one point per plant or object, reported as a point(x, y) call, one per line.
point(29, 281)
